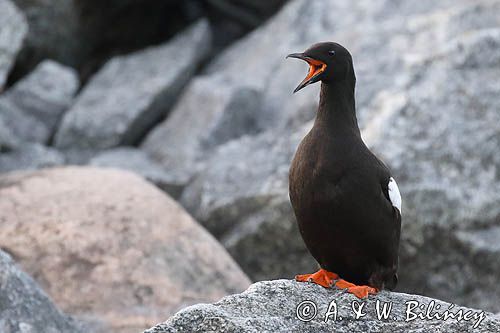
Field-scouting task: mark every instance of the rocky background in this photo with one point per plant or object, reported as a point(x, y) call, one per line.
point(119, 120)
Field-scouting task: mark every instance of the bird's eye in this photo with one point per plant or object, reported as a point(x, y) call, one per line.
point(331, 52)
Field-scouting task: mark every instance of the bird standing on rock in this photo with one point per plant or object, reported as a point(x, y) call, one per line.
point(348, 207)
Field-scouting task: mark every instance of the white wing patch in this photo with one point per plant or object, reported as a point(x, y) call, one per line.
point(394, 194)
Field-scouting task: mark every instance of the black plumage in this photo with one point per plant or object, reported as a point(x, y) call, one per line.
point(338, 188)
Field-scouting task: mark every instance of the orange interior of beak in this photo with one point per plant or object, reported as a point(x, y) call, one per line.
point(315, 67)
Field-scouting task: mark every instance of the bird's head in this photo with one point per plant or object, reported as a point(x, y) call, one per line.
point(328, 62)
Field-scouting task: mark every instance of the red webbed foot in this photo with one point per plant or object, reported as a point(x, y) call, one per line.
point(322, 277)
point(358, 291)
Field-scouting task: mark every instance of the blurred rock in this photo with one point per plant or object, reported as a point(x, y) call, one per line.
point(111, 248)
point(33, 106)
point(138, 161)
point(442, 145)
point(22, 127)
point(8, 141)
point(25, 307)
point(242, 199)
point(12, 32)
point(430, 113)
point(245, 313)
point(131, 93)
point(77, 156)
point(209, 113)
point(30, 157)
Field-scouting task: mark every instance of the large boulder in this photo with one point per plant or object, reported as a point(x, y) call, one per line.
point(34, 105)
point(432, 116)
point(110, 248)
point(25, 307)
point(12, 32)
point(131, 93)
point(288, 306)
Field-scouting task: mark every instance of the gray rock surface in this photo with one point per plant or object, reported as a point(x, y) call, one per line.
point(430, 113)
point(241, 197)
point(209, 113)
point(30, 157)
point(22, 127)
point(443, 148)
point(25, 307)
point(136, 160)
point(111, 248)
point(34, 105)
point(12, 32)
point(8, 141)
point(131, 93)
point(275, 306)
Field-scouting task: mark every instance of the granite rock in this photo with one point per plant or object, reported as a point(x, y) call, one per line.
point(276, 306)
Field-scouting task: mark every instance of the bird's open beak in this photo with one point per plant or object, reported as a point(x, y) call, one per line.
point(316, 67)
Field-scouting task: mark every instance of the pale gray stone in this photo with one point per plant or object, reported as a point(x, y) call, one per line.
point(33, 107)
point(138, 161)
point(208, 114)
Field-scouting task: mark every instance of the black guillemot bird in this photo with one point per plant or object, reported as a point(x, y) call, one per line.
point(347, 205)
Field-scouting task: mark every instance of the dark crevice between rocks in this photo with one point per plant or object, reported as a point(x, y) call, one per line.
point(143, 24)
point(108, 29)
point(5, 149)
point(7, 250)
point(233, 19)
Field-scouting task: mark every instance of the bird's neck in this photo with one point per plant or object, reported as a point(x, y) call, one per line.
point(337, 110)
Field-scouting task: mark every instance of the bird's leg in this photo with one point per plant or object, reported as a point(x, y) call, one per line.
point(358, 291)
point(322, 277)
